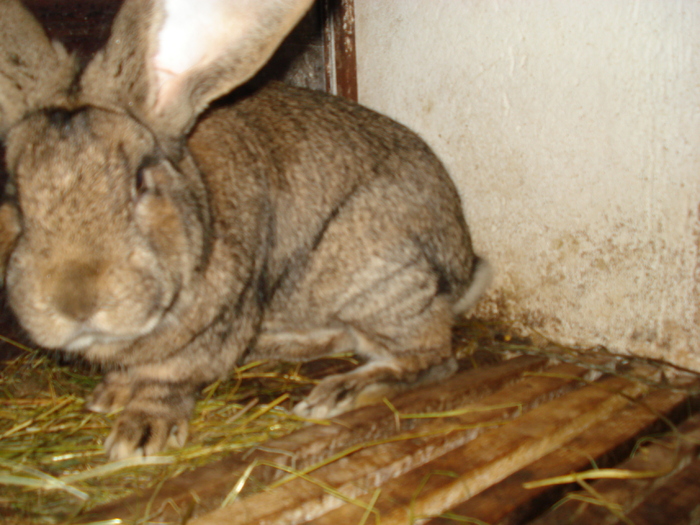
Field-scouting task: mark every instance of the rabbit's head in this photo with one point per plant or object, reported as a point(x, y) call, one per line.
point(105, 218)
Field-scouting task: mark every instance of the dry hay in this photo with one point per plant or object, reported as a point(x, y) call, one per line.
point(52, 464)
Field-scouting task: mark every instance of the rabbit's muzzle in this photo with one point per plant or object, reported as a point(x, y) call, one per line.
point(76, 291)
point(81, 304)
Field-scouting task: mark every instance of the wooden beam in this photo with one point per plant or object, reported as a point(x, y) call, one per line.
point(603, 445)
point(359, 473)
point(442, 483)
point(668, 495)
point(339, 48)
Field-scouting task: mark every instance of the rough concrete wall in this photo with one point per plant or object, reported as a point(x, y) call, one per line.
point(572, 130)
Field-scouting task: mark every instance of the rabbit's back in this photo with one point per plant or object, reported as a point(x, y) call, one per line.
point(303, 155)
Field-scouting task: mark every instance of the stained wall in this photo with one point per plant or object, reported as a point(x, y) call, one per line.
point(572, 130)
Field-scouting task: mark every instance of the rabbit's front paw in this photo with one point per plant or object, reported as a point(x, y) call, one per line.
point(140, 433)
point(111, 394)
point(156, 417)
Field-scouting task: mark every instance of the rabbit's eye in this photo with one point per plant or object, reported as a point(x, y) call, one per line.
point(10, 189)
point(140, 182)
point(143, 181)
point(145, 178)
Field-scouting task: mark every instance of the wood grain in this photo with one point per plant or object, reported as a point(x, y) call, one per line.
point(603, 445)
point(439, 485)
point(637, 497)
point(374, 466)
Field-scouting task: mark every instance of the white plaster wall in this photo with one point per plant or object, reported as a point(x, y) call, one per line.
point(572, 129)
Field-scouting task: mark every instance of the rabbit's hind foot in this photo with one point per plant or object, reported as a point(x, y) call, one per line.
point(370, 384)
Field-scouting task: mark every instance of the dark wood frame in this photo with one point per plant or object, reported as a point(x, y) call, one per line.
point(339, 47)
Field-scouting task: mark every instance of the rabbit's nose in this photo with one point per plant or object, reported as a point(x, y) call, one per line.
point(76, 290)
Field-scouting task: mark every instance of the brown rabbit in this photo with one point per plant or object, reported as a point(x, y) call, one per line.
point(287, 224)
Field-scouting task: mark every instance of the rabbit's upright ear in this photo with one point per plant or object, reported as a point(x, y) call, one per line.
point(33, 71)
point(122, 73)
point(168, 59)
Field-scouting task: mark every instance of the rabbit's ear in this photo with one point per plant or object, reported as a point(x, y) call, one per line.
point(207, 48)
point(33, 71)
point(171, 58)
point(122, 72)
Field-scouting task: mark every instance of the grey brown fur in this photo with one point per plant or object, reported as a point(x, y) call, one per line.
point(287, 224)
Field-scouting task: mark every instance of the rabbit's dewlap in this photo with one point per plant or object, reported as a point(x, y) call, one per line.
point(173, 245)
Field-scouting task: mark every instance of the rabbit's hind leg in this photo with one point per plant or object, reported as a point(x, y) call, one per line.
point(371, 286)
point(388, 313)
point(406, 354)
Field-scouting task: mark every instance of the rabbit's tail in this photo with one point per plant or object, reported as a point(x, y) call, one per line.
point(482, 275)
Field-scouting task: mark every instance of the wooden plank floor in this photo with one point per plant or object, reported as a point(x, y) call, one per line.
point(525, 419)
